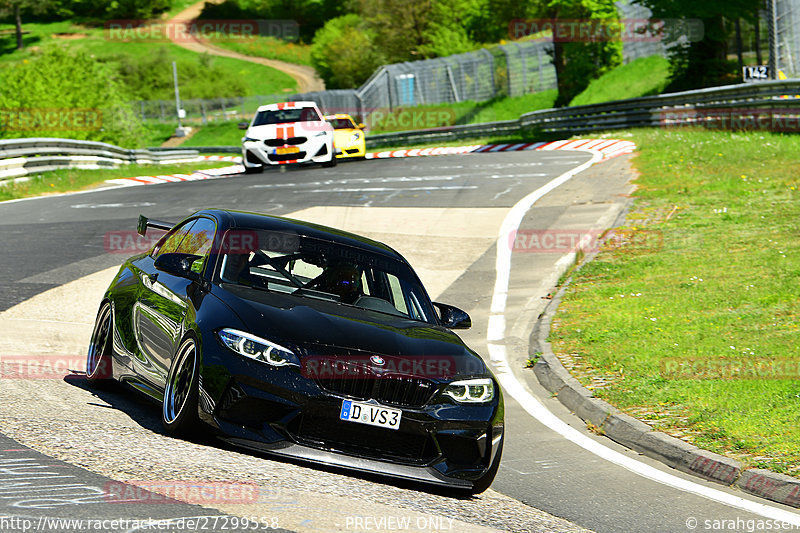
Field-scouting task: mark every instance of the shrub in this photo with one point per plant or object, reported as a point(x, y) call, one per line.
point(59, 94)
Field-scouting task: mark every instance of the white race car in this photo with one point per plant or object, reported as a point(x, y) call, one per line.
point(287, 133)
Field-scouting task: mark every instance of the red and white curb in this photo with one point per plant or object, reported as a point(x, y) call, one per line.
point(211, 173)
point(233, 158)
point(607, 147)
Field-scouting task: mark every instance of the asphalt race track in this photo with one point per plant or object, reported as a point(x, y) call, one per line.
point(443, 214)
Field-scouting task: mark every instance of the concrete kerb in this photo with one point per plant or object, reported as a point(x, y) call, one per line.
point(640, 437)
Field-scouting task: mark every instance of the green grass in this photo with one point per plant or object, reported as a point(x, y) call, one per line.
point(67, 180)
point(177, 7)
point(219, 133)
point(269, 48)
point(469, 112)
point(158, 132)
point(641, 77)
point(705, 272)
point(256, 79)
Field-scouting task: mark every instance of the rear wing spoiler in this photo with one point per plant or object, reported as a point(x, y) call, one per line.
point(145, 223)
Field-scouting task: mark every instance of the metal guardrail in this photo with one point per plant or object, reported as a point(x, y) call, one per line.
point(731, 107)
point(740, 106)
point(20, 157)
point(203, 149)
point(506, 127)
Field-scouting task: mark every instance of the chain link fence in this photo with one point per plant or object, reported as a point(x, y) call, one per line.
point(787, 13)
point(512, 69)
point(203, 110)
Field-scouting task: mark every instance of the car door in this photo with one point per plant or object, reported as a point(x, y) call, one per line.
point(164, 301)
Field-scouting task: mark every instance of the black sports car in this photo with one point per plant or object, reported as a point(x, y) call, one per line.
point(303, 341)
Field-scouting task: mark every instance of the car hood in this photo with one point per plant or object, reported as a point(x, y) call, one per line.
point(342, 137)
point(289, 129)
point(316, 328)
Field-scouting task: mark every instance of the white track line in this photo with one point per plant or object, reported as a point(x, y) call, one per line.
point(497, 352)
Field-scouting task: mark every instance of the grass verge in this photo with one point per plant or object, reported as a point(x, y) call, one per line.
point(450, 114)
point(268, 48)
point(247, 77)
point(67, 180)
point(641, 77)
point(217, 133)
point(689, 321)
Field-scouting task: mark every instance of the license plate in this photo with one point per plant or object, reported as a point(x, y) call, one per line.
point(287, 150)
point(373, 415)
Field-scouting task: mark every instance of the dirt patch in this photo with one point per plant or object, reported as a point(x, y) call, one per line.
point(69, 36)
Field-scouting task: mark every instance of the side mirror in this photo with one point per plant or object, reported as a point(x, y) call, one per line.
point(243, 125)
point(452, 317)
point(181, 265)
point(361, 125)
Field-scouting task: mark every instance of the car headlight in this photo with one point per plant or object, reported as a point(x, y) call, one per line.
point(356, 136)
point(479, 390)
point(248, 139)
point(257, 348)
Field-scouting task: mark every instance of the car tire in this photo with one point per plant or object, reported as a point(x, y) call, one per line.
point(98, 358)
point(486, 480)
point(179, 410)
point(330, 164)
point(253, 170)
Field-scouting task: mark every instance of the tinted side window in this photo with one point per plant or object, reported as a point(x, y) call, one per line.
point(199, 238)
point(173, 239)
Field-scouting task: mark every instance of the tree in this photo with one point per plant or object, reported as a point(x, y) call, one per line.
point(16, 7)
point(704, 62)
point(582, 49)
point(344, 52)
point(406, 30)
point(310, 15)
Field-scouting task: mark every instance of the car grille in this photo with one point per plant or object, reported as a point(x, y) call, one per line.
point(361, 383)
point(366, 441)
point(287, 157)
point(283, 142)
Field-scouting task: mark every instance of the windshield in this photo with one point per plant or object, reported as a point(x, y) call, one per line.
point(313, 268)
point(282, 116)
point(342, 123)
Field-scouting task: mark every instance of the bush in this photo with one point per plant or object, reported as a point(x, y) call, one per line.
point(344, 53)
point(150, 78)
point(66, 95)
